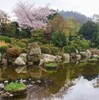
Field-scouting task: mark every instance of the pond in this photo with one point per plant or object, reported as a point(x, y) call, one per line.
point(72, 81)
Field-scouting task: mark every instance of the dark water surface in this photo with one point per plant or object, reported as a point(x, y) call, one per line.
point(69, 82)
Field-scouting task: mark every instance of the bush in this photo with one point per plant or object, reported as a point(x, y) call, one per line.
point(45, 50)
point(5, 38)
point(59, 39)
point(15, 86)
point(69, 49)
point(13, 52)
point(82, 45)
point(54, 50)
point(31, 40)
point(21, 44)
point(3, 49)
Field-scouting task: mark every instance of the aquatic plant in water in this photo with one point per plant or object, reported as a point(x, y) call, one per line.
point(14, 86)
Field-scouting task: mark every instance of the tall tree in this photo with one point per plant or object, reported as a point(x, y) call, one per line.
point(32, 18)
point(88, 30)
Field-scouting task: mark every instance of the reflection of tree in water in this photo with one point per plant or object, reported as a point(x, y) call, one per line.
point(64, 90)
point(96, 82)
point(68, 73)
point(61, 82)
point(38, 93)
point(43, 93)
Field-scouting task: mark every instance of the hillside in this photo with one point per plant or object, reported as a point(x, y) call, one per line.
point(77, 16)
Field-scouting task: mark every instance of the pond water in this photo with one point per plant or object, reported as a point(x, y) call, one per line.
point(73, 81)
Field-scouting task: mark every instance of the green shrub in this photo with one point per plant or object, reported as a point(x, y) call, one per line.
point(45, 50)
point(82, 45)
point(24, 40)
point(31, 40)
point(54, 50)
point(59, 39)
point(14, 86)
point(3, 49)
point(69, 49)
point(21, 44)
point(5, 38)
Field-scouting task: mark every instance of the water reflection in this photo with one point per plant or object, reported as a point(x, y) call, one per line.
point(83, 90)
point(70, 81)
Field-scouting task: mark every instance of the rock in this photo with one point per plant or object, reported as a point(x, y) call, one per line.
point(11, 95)
point(49, 58)
point(1, 86)
point(33, 82)
point(94, 56)
point(73, 55)
point(30, 79)
point(66, 57)
point(34, 52)
point(58, 58)
point(6, 81)
point(38, 81)
point(30, 63)
point(22, 81)
point(20, 61)
point(78, 57)
point(23, 56)
point(89, 53)
point(30, 85)
point(4, 62)
point(6, 94)
point(21, 69)
point(42, 62)
point(84, 54)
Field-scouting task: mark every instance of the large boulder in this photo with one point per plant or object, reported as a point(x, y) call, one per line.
point(89, 53)
point(66, 57)
point(49, 58)
point(23, 56)
point(34, 52)
point(4, 62)
point(19, 61)
point(86, 54)
point(78, 57)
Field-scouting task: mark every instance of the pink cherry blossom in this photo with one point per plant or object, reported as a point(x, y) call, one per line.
point(30, 17)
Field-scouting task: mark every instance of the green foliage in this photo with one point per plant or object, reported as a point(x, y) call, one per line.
point(59, 39)
point(5, 39)
point(78, 43)
point(69, 49)
point(19, 43)
point(82, 45)
point(3, 49)
point(45, 50)
point(8, 29)
point(23, 34)
point(54, 50)
point(31, 40)
point(15, 86)
point(88, 30)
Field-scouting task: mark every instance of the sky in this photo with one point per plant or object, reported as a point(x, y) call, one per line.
point(87, 7)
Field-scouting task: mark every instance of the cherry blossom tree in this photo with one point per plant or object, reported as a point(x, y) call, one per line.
point(30, 17)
